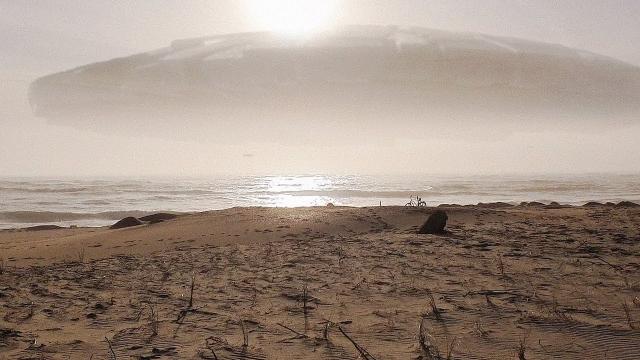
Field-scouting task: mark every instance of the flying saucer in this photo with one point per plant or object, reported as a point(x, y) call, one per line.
point(361, 74)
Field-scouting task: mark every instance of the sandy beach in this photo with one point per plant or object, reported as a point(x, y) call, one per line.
point(305, 179)
point(506, 282)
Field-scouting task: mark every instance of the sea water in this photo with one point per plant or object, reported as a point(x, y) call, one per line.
point(98, 202)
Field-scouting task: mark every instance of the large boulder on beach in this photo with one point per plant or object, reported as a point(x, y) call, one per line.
point(435, 224)
point(159, 217)
point(126, 222)
point(593, 204)
point(627, 204)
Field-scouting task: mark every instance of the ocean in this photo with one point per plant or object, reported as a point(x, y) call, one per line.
point(97, 202)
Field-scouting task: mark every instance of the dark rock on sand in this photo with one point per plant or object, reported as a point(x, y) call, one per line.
point(435, 224)
point(627, 204)
point(555, 205)
point(330, 205)
point(495, 205)
point(593, 204)
point(126, 222)
point(6, 334)
point(43, 227)
point(159, 217)
point(532, 204)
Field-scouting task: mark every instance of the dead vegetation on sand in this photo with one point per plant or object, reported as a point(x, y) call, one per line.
point(507, 284)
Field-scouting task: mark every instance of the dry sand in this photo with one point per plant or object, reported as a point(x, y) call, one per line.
point(553, 283)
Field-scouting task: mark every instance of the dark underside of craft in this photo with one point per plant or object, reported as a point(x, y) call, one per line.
point(358, 73)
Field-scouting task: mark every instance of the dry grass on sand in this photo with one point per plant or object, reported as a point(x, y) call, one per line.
point(329, 283)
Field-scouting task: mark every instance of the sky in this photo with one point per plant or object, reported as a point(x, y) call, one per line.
point(39, 37)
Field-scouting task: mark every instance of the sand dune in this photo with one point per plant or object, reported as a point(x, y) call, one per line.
point(304, 283)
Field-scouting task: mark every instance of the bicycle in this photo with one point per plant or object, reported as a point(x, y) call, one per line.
point(417, 203)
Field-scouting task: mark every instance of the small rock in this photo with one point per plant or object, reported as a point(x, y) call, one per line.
point(535, 203)
point(7, 333)
point(43, 227)
point(494, 205)
point(532, 203)
point(435, 224)
point(554, 205)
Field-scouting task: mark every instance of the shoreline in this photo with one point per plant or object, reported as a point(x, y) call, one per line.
point(36, 219)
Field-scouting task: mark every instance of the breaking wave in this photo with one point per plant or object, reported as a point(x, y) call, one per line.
point(51, 216)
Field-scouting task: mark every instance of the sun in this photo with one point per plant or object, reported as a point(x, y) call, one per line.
point(292, 17)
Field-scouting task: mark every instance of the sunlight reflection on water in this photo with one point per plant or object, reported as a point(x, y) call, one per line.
point(280, 185)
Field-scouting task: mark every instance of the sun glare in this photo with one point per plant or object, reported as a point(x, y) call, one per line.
point(292, 17)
